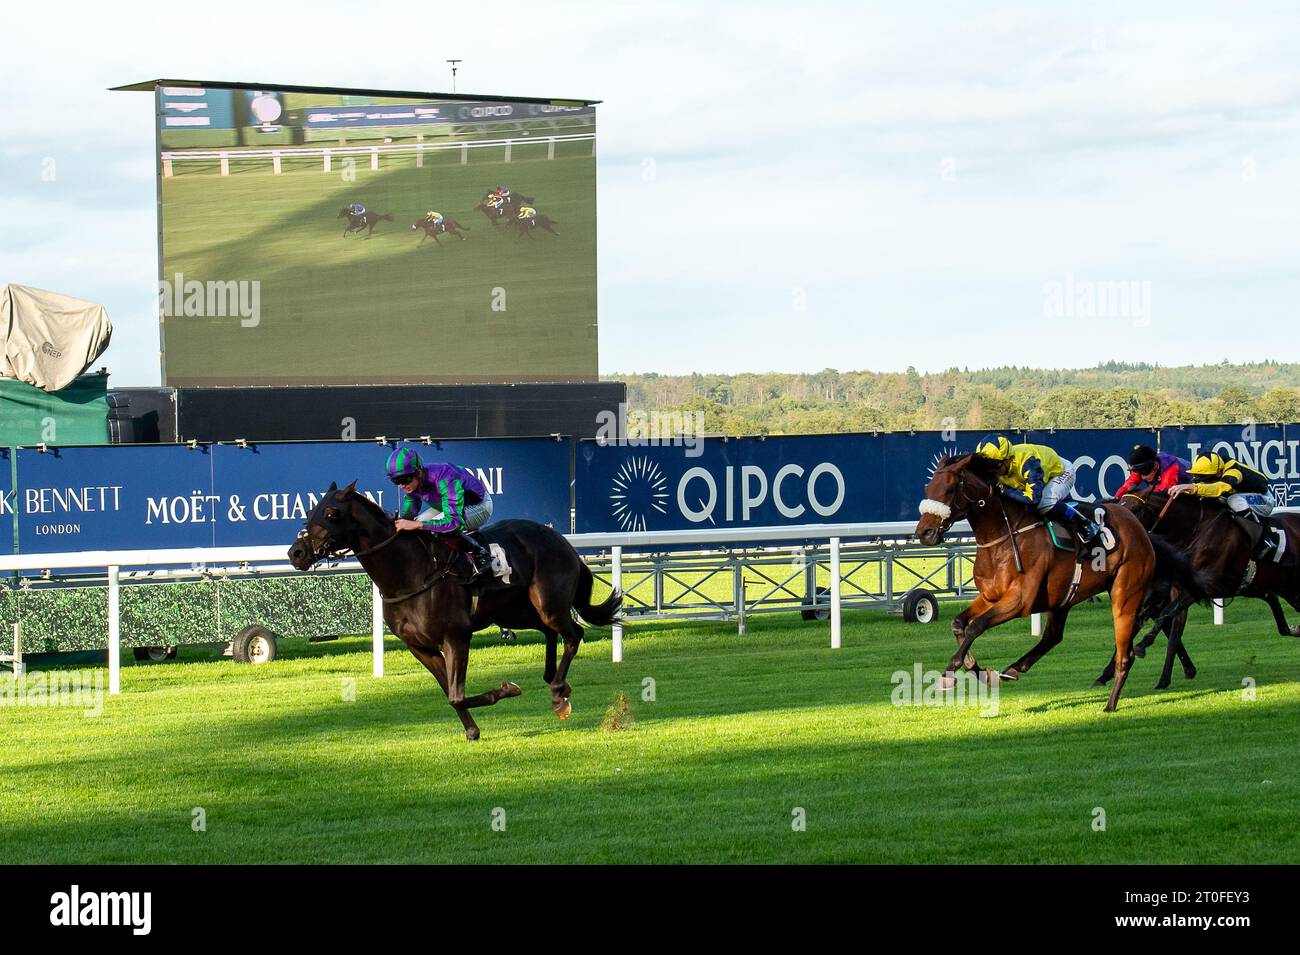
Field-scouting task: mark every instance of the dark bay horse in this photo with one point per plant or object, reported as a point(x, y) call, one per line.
point(364, 222)
point(1219, 552)
point(525, 227)
point(448, 226)
point(427, 605)
point(504, 210)
point(966, 487)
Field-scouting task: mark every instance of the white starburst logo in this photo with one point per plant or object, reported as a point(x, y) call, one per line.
point(639, 488)
point(943, 453)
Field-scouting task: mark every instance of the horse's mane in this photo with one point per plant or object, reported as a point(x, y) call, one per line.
point(986, 469)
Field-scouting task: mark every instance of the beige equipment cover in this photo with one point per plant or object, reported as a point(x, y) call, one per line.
point(49, 339)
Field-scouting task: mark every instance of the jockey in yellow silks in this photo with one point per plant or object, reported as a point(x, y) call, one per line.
point(1034, 474)
point(528, 214)
point(1245, 492)
point(433, 218)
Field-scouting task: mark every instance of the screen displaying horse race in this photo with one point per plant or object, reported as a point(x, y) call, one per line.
point(325, 238)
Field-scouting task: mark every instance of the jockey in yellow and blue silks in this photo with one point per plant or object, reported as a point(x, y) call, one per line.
point(442, 499)
point(1035, 474)
point(1245, 492)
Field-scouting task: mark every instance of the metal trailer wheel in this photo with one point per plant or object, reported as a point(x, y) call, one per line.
point(156, 654)
point(920, 606)
point(253, 644)
point(823, 610)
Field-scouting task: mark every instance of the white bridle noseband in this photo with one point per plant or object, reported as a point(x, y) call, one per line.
point(937, 508)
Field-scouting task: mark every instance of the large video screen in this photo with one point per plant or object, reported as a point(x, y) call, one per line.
point(319, 238)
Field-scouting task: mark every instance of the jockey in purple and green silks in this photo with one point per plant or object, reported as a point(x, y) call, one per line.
point(442, 499)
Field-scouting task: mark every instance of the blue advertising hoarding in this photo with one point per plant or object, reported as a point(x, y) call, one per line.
point(736, 482)
point(133, 497)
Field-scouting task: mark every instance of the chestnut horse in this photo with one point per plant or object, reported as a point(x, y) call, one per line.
point(428, 606)
point(1019, 571)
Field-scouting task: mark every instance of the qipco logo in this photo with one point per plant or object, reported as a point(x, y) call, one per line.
point(793, 492)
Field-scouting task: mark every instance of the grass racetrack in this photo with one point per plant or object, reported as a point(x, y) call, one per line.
point(744, 731)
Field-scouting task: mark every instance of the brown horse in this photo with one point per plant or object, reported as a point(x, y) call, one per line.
point(448, 225)
point(526, 226)
point(428, 606)
point(1019, 571)
point(365, 222)
point(504, 210)
point(1219, 553)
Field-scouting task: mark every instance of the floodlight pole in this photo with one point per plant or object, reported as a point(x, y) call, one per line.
point(453, 74)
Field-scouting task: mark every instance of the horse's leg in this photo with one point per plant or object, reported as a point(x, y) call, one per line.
point(548, 675)
point(1126, 596)
point(435, 664)
point(1053, 631)
point(959, 622)
point(1007, 608)
point(560, 689)
point(456, 650)
point(1279, 616)
point(1189, 668)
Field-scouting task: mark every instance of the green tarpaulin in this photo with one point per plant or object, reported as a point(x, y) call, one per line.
point(77, 414)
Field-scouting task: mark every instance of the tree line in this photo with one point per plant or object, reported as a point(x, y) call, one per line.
point(1111, 395)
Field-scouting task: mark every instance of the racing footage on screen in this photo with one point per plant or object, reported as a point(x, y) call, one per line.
point(320, 238)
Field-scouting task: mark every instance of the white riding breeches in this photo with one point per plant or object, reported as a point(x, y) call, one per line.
point(1058, 489)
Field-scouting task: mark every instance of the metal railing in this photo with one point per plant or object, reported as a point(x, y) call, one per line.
point(616, 546)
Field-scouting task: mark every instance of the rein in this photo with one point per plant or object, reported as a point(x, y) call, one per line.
point(1016, 533)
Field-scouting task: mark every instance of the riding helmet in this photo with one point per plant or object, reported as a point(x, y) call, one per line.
point(403, 462)
point(1142, 457)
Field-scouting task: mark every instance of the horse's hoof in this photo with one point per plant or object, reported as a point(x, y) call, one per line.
point(1108, 708)
point(510, 689)
point(1010, 674)
point(471, 733)
point(1100, 682)
point(563, 709)
point(1139, 651)
point(1190, 674)
point(1162, 685)
point(947, 680)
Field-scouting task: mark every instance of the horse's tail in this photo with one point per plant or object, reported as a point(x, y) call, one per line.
point(1173, 569)
point(598, 615)
point(388, 216)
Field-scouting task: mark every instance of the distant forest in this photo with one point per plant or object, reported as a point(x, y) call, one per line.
point(1115, 394)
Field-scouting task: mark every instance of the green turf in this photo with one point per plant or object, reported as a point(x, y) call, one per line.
point(407, 311)
point(743, 731)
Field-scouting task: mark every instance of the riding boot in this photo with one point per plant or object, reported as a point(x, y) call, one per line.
point(1084, 527)
point(480, 557)
point(1256, 527)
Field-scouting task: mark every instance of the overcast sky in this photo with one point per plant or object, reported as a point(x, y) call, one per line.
point(858, 186)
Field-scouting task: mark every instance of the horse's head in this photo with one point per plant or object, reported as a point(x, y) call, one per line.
point(343, 213)
point(331, 528)
point(960, 484)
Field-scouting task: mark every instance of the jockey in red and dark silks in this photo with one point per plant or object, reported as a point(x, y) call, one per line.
point(442, 499)
point(1158, 470)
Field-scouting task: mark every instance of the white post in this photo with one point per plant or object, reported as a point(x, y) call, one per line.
point(1035, 624)
point(225, 164)
point(114, 633)
point(616, 579)
point(464, 155)
point(327, 156)
point(374, 158)
point(835, 593)
point(1218, 612)
point(507, 152)
point(167, 168)
point(550, 148)
point(377, 629)
point(275, 162)
point(419, 156)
